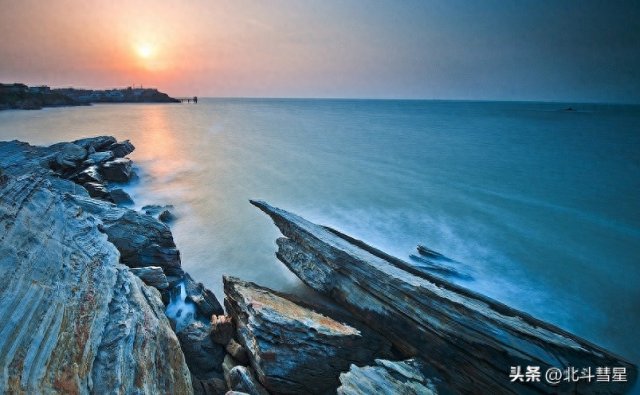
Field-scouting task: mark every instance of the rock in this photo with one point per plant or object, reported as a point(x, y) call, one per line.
point(471, 340)
point(74, 320)
point(117, 170)
point(221, 329)
point(90, 174)
point(166, 216)
point(160, 212)
point(203, 298)
point(122, 148)
point(96, 190)
point(228, 363)
point(151, 275)
point(98, 158)
point(94, 144)
point(237, 352)
point(69, 155)
point(142, 240)
point(214, 386)
point(293, 349)
point(235, 393)
point(391, 378)
point(203, 356)
point(120, 197)
point(242, 380)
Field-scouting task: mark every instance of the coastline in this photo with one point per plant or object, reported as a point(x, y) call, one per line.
point(239, 351)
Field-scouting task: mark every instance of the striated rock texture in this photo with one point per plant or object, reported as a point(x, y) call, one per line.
point(293, 349)
point(391, 378)
point(74, 320)
point(471, 340)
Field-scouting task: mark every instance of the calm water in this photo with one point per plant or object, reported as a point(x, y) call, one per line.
point(543, 205)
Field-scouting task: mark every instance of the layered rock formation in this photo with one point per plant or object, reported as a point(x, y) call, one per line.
point(293, 349)
point(75, 320)
point(391, 378)
point(472, 341)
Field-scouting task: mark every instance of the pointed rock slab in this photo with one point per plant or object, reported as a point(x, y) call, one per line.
point(391, 378)
point(293, 349)
point(74, 320)
point(470, 339)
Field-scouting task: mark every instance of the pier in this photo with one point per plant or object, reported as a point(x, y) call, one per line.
point(193, 99)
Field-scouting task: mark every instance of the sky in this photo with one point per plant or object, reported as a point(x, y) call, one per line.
point(584, 51)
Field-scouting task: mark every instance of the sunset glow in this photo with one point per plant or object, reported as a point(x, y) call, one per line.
point(145, 50)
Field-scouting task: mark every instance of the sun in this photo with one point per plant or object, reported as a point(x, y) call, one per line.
point(144, 50)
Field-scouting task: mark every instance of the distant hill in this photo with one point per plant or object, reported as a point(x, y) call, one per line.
point(21, 96)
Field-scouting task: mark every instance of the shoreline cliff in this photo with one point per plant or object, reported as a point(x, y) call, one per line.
point(93, 299)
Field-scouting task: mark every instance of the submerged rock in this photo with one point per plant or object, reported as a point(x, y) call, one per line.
point(470, 339)
point(71, 311)
point(293, 349)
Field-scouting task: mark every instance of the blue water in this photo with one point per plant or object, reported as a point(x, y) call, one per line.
point(541, 206)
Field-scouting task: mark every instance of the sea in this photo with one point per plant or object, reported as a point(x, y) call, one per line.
point(538, 204)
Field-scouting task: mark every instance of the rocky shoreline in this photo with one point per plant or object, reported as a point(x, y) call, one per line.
point(93, 299)
point(18, 96)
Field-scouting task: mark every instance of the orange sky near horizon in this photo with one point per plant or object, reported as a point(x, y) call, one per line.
point(438, 49)
point(97, 44)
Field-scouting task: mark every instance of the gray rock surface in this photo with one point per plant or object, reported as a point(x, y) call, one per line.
point(390, 378)
point(293, 349)
point(121, 148)
point(74, 320)
point(205, 301)
point(242, 380)
point(152, 275)
point(203, 356)
point(470, 339)
point(98, 158)
point(117, 170)
point(120, 197)
point(69, 155)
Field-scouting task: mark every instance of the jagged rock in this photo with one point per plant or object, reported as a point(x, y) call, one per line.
point(73, 319)
point(203, 356)
point(122, 148)
point(238, 352)
point(235, 393)
point(142, 240)
point(96, 190)
point(120, 197)
point(293, 349)
point(221, 329)
point(391, 378)
point(90, 174)
point(152, 275)
point(470, 339)
point(242, 380)
point(117, 170)
point(69, 155)
point(93, 144)
point(202, 297)
point(98, 158)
